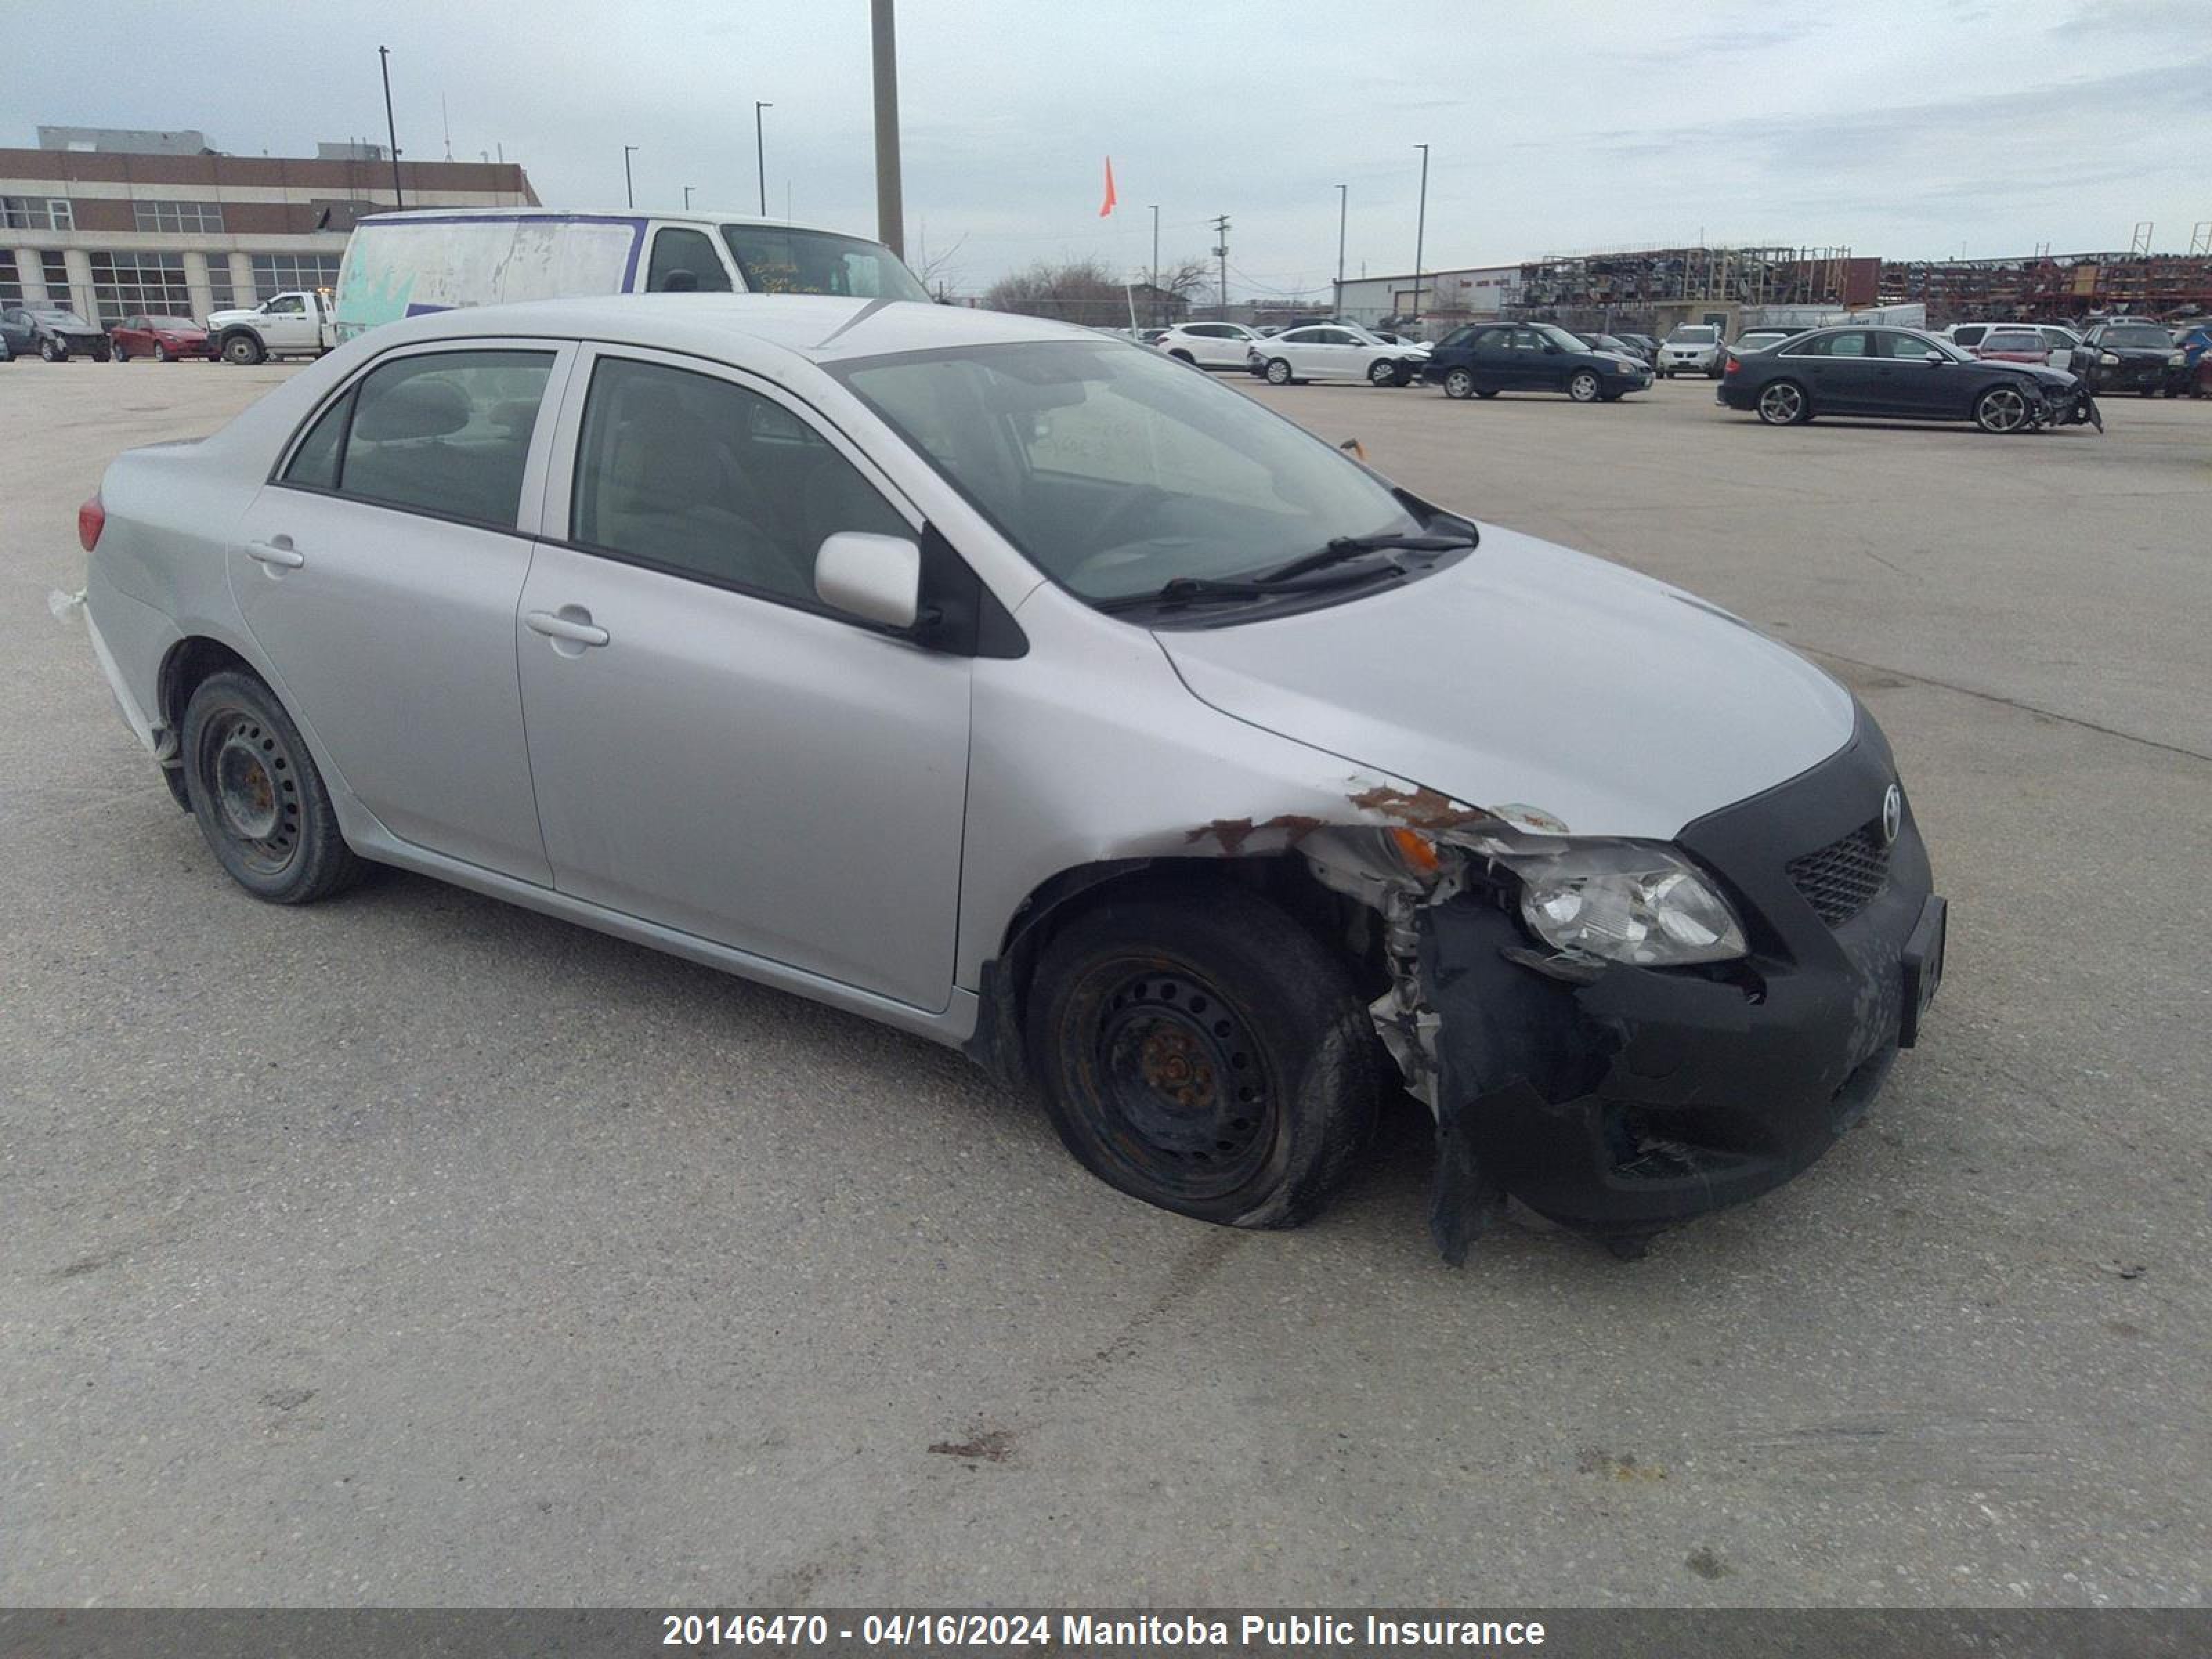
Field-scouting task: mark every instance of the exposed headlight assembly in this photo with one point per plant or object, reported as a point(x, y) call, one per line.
point(1627, 901)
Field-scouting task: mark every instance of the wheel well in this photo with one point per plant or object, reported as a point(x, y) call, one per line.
point(189, 663)
point(1337, 921)
point(1184, 355)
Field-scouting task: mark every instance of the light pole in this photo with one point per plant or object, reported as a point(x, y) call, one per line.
point(1343, 202)
point(628, 194)
point(1155, 207)
point(1420, 230)
point(891, 210)
point(687, 198)
point(760, 155)
point(391, 131)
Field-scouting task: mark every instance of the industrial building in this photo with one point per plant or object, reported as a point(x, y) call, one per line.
point(109, 221)
point(1444, 298)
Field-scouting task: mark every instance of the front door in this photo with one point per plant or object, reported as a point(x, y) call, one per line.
point(1905, 383)
point(379, 574)
point(714, 750)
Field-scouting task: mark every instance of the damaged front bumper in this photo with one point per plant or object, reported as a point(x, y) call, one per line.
point(1619, 1100)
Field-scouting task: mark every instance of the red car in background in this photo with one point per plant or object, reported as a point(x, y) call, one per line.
point(162, 338)
point(2015, 345)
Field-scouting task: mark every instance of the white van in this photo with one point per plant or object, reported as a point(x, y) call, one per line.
point(404, 265)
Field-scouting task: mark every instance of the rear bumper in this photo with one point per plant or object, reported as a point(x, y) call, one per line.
point(1639, 1098)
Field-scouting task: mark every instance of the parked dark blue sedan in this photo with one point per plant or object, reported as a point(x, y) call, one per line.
point(1484, 359)
point(1899, 373)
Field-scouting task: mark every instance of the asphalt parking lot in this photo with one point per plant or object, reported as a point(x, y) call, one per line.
point(412, 1248)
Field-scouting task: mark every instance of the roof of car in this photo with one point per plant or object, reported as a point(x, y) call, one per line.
point(816, 327)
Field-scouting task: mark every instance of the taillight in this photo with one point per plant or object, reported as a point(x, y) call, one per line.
point(1733, 364)
point(91, 520)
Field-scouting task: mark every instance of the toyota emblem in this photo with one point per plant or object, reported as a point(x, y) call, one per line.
point(1893, 815)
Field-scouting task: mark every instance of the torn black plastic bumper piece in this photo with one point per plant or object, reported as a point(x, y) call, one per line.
point(1642, 1097)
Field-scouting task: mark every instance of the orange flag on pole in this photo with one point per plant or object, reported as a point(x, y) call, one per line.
point(1106, 206)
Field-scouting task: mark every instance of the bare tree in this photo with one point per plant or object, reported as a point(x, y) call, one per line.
point(1079, 291)
point(1186, 278)
point(935, 269)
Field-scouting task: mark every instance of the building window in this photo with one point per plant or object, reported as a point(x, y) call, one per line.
point(221, 296)
point(37, 213)
point(276, 273)
point(55, 270)
point(128, 284)
point(11, 285)
point(201, 217)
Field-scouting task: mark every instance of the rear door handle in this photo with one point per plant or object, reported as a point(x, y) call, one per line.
point(269, 553)
point(584, 632)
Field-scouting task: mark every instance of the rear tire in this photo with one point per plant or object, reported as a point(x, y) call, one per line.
point(1784, 403)
point(1486, 392)
point(259, 801)
point(1201, 1051)
point(121, 355)
point(1184, 357)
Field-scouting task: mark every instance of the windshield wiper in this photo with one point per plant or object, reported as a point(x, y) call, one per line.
point(1352, 547)
point(1186, 590)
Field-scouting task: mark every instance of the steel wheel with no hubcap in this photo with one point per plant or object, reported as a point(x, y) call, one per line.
point(1184, 1096)
point(254, 786)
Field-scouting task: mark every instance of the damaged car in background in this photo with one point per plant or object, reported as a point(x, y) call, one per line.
point(1017, 688)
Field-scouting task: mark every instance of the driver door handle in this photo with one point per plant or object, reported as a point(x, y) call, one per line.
point(269, 553)
point(562, 627)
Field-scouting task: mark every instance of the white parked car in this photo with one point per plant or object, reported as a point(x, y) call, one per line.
point(1209, 345)
point(1692, 349)
point(2062, 340)
point(1334, 351)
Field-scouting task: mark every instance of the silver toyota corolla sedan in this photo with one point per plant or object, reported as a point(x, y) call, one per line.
point(1017, 687)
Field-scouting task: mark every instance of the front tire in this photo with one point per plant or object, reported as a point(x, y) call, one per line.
point(1784, 403)
point(2003, 410)
point(1278, 372)
point(259, 801)
point(1459, 383)
point(161, 353)
point(1201, 1051)
point(1382, 372)
point(52, 353)
point(243, 350)
point(1582, 387)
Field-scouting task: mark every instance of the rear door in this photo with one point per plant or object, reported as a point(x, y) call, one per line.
point(380, 570)
point(714, 750)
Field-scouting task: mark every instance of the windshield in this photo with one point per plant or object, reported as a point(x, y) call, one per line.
point(2138, 336)
point(171, 322)
point(1116, 471)
point(1692, 334)
point(62, 318)
point(778, 260)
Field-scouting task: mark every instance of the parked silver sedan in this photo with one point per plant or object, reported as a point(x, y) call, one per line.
point(1016, 687)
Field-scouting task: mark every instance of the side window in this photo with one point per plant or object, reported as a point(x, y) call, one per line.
point(1819, 345)
point(691, 474)
point(314, 463)
point(287, 305)
point(676, 249)
point(1458, 336)
point(1969, 334)
point(1853, 344)
point(448, 432)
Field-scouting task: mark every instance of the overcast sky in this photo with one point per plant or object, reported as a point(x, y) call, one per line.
point(1903, 128)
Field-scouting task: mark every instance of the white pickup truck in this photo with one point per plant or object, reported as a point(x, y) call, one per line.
point(300, 323)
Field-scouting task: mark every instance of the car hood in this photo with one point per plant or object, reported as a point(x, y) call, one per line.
point(1527, 676)
point(243, 313)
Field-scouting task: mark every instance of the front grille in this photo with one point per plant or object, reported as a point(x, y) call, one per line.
point(1840, 880)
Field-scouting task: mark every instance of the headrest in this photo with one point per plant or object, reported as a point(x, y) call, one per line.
point(417, 408)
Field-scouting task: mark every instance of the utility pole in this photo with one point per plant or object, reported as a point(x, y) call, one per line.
point(391, 130)
point(1221, 252)
point(628, 194)
point(1420, 230)
point(760, 155)
point(891, 210)
point(1155, 207)
point(687, 198)
point(1343, 202)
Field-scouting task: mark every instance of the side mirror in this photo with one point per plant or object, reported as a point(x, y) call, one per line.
point(1937, 357)
point(875, 578)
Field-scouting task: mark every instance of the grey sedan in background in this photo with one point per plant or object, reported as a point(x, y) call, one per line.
point(1016, 687)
